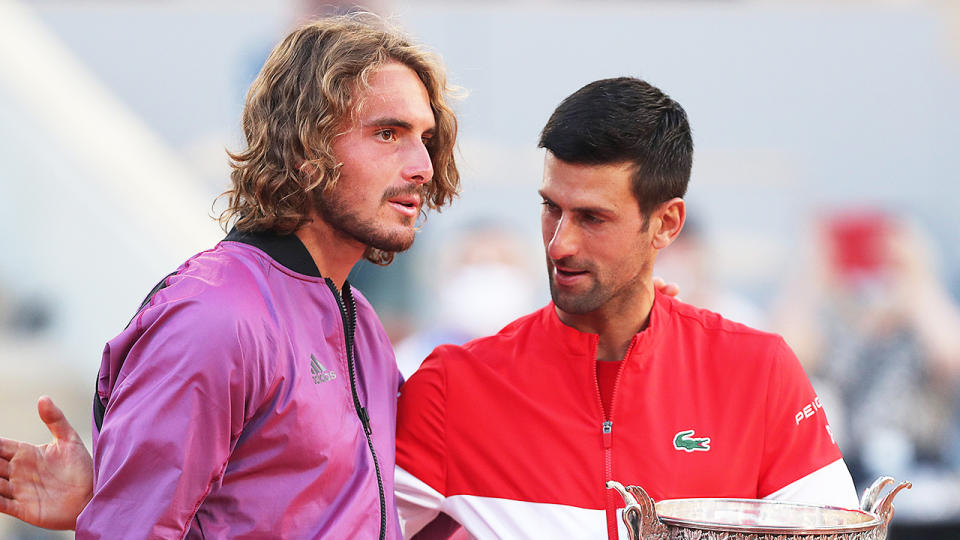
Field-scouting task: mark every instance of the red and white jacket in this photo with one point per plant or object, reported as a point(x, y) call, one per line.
point(507, 434)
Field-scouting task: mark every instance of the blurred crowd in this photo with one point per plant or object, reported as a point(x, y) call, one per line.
point(874, 323)
point(869, 313)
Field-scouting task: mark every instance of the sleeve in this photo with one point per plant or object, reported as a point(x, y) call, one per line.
point(421, 446)
point(828, 486)
point(801, 459)
point(174, 413)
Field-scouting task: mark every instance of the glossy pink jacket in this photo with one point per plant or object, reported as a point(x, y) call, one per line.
point(245, 400)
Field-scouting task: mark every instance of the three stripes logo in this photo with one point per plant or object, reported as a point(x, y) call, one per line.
point(320, 373)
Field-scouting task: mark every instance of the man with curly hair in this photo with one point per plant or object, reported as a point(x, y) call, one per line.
point(254, 392)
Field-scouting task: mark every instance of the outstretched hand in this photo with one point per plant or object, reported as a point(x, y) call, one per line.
point(46, 485)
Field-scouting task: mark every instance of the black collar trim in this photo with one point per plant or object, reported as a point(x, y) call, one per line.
point(286, 249)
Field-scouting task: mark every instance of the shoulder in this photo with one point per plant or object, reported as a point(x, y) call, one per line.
point(225, 282)
point(710, 324)
point(512, 338)
point(697, 325)
point(214, 300)
point(514, 333)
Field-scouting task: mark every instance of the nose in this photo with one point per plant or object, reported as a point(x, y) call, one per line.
point(563, 242)
point(419, 166)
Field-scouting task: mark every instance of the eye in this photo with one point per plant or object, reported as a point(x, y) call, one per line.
point(590, 218)
point(548, 205)
point(386, 135)
point(427, 140)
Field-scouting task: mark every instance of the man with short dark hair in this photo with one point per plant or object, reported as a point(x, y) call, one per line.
point(515, 435)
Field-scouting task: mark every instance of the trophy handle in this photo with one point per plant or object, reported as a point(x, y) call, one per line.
point(640, 515)
point(885, 508)
point(881, 507)
point(871, 495)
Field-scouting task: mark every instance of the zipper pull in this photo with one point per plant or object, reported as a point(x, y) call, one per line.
point(607, 434)
point(365, 420)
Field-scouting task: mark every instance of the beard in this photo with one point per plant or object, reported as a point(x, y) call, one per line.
point(339, 213)
point(580, 302)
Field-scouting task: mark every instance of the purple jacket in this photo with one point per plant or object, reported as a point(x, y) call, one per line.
point(232, 406)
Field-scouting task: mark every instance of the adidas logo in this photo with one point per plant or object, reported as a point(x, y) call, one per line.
point(320, 373)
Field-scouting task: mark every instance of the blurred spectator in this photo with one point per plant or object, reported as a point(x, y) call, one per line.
point(483, 281)
point(880, 336)
point(689, 262)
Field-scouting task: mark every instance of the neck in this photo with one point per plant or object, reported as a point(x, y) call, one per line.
point(333, 252)
point(615, 322)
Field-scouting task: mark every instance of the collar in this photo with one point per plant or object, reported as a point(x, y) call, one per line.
point(585, 343)
point(286, 249)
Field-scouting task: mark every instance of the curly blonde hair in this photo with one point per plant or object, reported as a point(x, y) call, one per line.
point(307, 90)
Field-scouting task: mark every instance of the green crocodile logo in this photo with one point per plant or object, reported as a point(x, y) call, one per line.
point(686, 442)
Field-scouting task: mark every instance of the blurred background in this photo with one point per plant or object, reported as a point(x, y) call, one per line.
point(824, 203)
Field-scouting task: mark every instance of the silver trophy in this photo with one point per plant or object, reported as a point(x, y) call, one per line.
point(748, 519)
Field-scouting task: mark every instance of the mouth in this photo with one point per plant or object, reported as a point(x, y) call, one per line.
point(408, 205)
point(568, 276)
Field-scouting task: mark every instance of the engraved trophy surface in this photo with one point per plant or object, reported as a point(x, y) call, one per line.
point(748, 519)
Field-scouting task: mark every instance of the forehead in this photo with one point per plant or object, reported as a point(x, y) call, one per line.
point(394, 90)
point(581, 185)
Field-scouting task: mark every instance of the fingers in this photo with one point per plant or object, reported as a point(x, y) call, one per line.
point(669, 289)
point(8, 506)
point(6, 490)
point(56, 422)
point(7, 449)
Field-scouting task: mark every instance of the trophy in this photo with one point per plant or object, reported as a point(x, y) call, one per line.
point(748, 519)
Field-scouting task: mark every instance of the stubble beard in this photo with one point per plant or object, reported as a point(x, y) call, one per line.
point(335, 210)
point(577, 303)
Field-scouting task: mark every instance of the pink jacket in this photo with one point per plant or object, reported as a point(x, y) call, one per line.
point(246, 399)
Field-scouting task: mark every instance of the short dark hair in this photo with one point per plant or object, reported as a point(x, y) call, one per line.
point(626, 120)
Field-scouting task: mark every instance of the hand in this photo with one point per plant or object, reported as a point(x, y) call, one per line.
point(47, 485)
point(669, 289)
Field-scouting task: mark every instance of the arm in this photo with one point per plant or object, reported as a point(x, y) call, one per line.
point(830, 485)
point(176, 389)
point(801, 460)
point(47, 485)
point(421, 448)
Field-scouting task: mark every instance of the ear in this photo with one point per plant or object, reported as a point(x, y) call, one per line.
point(666, 221)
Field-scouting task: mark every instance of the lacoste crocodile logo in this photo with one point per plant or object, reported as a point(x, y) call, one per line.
point(688, 443)
point(320, 373)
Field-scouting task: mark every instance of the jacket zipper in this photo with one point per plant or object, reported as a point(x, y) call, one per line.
point(612, 533)
point(348, 311)
point(607, 433)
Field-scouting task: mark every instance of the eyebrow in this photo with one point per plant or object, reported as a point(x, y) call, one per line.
point(396, 122)
point(580, 209)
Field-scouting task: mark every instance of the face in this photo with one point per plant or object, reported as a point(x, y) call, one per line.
point(599, 248)
point(385, 163)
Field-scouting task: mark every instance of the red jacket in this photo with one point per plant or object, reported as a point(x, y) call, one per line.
point(506, 434)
